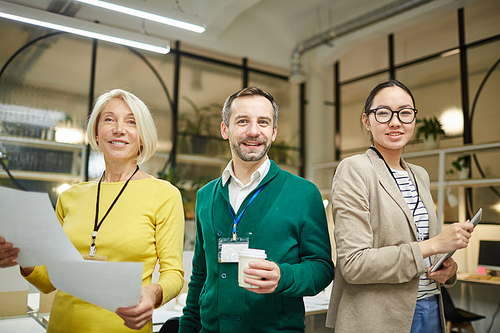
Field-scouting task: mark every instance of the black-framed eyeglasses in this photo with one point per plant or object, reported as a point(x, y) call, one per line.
point(384, 115)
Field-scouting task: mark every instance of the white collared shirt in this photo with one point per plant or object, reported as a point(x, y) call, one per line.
point(237, 190)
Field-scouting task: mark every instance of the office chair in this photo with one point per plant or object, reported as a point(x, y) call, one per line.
point(457, 318)
point(170, 326)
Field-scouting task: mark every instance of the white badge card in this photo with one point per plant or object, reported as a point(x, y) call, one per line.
point(229, 249)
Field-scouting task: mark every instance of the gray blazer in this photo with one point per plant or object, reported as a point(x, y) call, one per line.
point(379, 261)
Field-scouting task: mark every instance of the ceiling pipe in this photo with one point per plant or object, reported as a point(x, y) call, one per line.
point(380, 14)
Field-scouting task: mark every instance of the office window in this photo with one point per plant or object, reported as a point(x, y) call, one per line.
point(354, 137)
point(285, 150)
point(368, 57)
point(203, 89)
point(435, 85)
point(433, 34)
point(485, 118)
point(119, 67)
point(481, 20)
point(31, 80)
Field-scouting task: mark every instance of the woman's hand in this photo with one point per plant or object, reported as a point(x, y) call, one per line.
point(8, 253)
point(8, 256)
point(138, 316)
point(447, 270)
point(454, 237)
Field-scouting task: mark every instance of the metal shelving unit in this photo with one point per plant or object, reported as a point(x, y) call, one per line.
point(461, 184)
point(442, 183)
point(78, 163)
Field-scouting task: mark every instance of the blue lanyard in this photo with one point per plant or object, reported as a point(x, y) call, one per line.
point(237, 220)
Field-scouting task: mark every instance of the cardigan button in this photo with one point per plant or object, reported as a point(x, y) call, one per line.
point(223, 276)
point(238, 318)
point(219, 233)
point(223, 316)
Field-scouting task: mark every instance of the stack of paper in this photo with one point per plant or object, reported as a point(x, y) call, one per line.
point(30, 223)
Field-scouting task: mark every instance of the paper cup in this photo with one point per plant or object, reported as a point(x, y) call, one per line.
point(245, 256)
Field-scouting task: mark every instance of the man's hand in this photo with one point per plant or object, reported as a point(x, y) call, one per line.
point(269, 272)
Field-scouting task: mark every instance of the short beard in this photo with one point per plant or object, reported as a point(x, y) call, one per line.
point(249, 157)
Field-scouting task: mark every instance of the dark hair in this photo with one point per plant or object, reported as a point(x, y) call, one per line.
point(383, 85)
point(250, 91)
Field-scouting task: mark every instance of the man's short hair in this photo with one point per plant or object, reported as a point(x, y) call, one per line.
point(250, 91)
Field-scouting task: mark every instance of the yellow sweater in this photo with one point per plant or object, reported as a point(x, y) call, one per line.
point(146, 223)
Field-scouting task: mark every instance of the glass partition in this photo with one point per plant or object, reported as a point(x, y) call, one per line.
point(409, 43)
point(285, 151)
point(354, 137)
point(203, 89)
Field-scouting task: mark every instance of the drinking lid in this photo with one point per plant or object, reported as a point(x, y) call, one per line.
point(256, 253)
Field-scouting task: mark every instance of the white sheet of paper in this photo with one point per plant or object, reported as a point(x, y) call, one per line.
point(28, 220)
point(11, 280)
point(109, 285)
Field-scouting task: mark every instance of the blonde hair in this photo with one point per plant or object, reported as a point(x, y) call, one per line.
point(146, 128)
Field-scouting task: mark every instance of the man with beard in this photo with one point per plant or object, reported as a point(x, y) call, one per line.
point(256, 205)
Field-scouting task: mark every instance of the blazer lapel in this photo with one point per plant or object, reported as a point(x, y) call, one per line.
point(387, 182)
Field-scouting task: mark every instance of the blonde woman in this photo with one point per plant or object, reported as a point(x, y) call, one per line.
point(125, 215)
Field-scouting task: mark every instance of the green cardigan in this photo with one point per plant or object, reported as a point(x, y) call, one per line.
point(287, 219)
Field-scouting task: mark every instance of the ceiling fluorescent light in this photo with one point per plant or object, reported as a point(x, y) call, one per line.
point(146, 15)
point(82, 28)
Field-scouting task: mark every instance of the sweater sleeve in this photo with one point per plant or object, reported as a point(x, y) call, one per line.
point(190, 320)
point(358, 259)
point(169, 235)
point(40, 279)
point(315, 269)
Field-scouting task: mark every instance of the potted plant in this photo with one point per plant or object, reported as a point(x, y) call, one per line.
point(187, 188)
point(460, 167)
point(431, 130)
point(188, 191)
point(198, 127)
point(172, 176)
point(280, 154)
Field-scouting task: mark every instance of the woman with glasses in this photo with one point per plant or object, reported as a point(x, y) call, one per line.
point(386, 229)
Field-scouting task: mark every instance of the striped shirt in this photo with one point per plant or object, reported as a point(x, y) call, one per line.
point(426, 286)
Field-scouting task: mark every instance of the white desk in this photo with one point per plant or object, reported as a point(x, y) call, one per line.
point(161, 316)
point(20, 325)
point(313, 305)
point(317, 306)
point(468, 278)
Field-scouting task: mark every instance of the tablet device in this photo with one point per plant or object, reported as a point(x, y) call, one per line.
point(475, 220)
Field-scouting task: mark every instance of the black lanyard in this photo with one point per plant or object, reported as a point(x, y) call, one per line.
point(392, 174)
point(98, 225)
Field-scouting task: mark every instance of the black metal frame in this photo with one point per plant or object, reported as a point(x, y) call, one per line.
point(463, 47)
point(174, 100)
point(392, 68)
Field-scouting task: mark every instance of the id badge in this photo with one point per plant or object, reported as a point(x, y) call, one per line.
point(95, 257)
point(229, 249)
